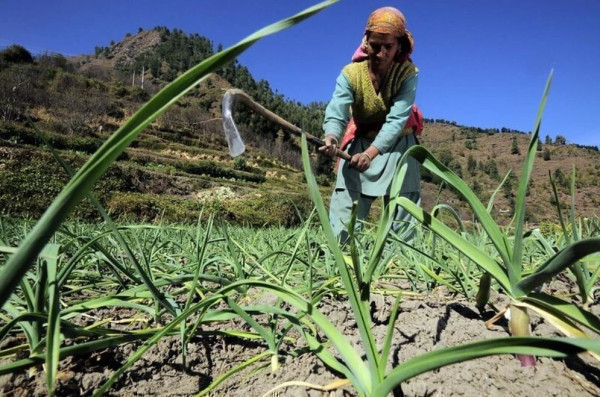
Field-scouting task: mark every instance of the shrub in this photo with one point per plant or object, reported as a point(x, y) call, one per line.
point(456, 167)
point(471, 165)
point(323, 180)
point(282, 209)
point(28, 183)
point(144, 207)
point(445, 156)
point(51, 60)
point(19, 90)
point(240, 164)
point(476, 186)
point(18, 134)
point(515, 146)
point(491, 168)
point(137, 94)
point(15, 54)
point(546, 154)
point(561, 179)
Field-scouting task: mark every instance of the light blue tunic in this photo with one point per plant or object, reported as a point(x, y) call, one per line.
point(390, 142)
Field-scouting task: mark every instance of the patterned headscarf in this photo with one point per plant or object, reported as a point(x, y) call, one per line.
point(389, 20)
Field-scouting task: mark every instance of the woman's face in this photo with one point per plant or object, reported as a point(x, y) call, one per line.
point(381, 49)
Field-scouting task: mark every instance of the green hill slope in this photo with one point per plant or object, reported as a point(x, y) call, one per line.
point(179, 167)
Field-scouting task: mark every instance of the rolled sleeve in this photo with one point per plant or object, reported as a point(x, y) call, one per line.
point(337, 113)
point(398, 115)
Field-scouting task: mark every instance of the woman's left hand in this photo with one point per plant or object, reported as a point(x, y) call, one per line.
point(360, 162)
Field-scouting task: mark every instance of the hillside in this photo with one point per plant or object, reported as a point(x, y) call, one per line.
point(179, 167)
point(492, 158)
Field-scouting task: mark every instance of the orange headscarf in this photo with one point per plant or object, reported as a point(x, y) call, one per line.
point(389, 20)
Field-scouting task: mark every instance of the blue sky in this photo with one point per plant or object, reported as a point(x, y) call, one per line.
point(482, 63)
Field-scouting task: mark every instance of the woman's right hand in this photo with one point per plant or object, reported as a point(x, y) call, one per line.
point(330, 147)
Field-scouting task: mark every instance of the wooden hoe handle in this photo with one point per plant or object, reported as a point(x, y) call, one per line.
point(258, 108)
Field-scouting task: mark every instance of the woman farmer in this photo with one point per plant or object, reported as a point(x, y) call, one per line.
point(378, 89)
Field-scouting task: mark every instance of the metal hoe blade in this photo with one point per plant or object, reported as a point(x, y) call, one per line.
point(234, 140)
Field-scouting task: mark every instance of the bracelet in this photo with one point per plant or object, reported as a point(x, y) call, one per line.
point(367, 155)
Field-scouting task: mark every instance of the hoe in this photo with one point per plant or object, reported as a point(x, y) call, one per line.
point(234, 140)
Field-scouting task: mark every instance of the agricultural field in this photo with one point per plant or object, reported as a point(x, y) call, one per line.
point(441, 307)
point(236, 311)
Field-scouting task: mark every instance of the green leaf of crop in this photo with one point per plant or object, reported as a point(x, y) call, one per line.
point(53, 332)
point(432, 164)
point(389, 336)
point(262, 331)
point(516, 262)
point(495, 193)
point(563, 309)
point(80, 348)
point(437, 278)
point(437, 209)
point(350, 357)
point(28, 329)
point(548, 347)
point(383, 231)
point(107, 301)
point(481, 258)
point(568, 256)
point(361, 312)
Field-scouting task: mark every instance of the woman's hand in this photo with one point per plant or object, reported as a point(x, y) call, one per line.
point(330, 147)
point(361, 162)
